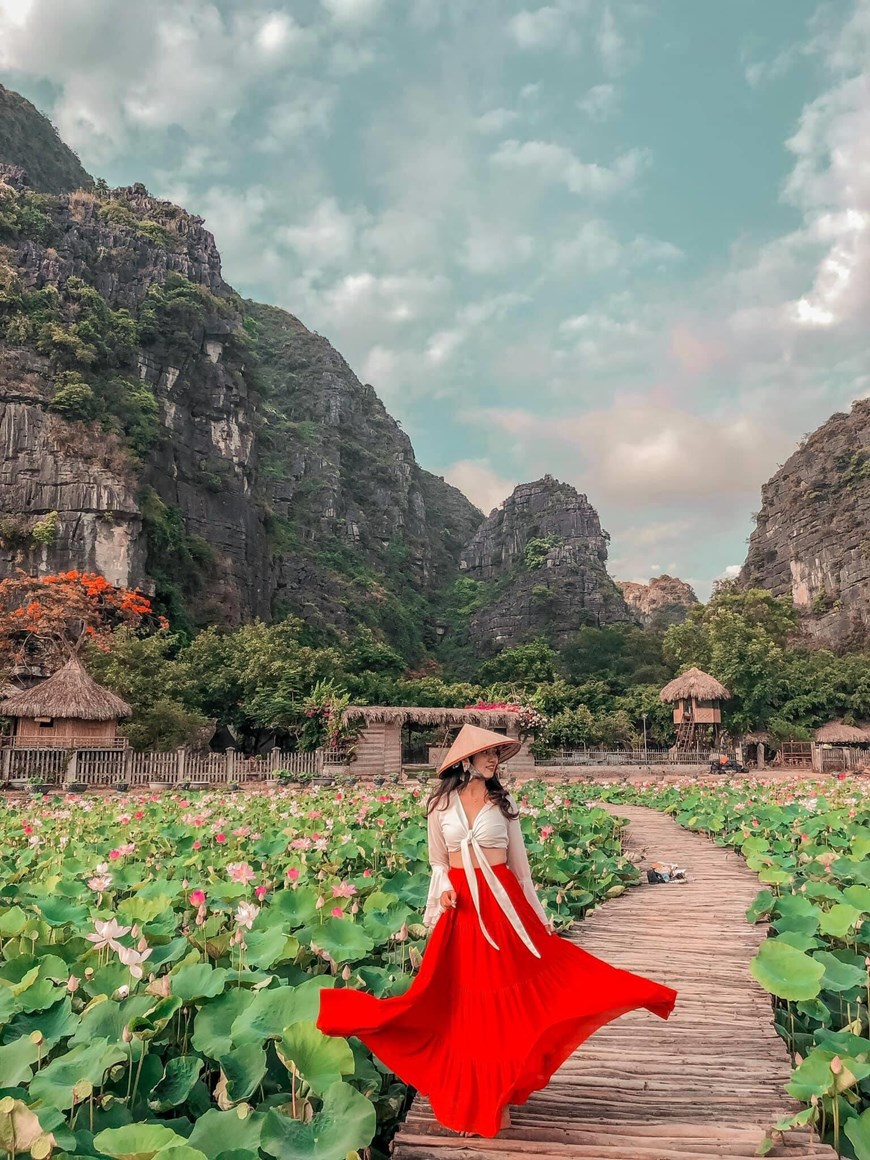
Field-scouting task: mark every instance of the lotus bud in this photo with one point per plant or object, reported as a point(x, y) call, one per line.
point(127, 1035)
point(836, 1065)
point(345, 974)
point(354, 908)
point(72, 984)
point(415, 957)
point(320, 901)
point(122, 992)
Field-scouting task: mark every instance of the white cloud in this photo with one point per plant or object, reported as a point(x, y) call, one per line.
point(480, 482)
point(554, 163)
point(612, 45)
point(541, 28)
point(353, 12)
point(327, 238)
point(495, 120)
point(600, 102)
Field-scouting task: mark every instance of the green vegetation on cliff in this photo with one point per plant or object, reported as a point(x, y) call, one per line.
point(28, 139)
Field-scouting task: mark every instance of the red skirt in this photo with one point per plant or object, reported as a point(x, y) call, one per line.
point(480, 1028)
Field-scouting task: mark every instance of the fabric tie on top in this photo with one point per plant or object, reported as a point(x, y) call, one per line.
point(467, 844)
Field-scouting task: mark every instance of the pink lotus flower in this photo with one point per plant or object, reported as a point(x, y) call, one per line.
point(367, 873)
point(133, 959)
point(337, 912)
point(196, 897)
point(139, 815)
point(546, 832)
point(261, 891)
point(292, 873)
point(241, 872)
point(221, 838)
point(344, 890)
point(246, 913)
point(100, 882)
point(197, 845)
point(114, 855)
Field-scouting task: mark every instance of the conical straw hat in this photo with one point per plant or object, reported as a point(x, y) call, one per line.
point(472, 739)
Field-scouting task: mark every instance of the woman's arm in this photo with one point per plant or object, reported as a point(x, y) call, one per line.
point(440, 863)
point(518, 862)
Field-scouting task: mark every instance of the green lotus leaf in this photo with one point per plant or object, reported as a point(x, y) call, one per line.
point(803, 942)
point(855, 871)
point(796, 913)
point(60, 911)
point(244, 1068)
point(823, 890)
point(858, 896)
point(270, 946)
point(179, 1077)
point(213, 1024)
point(12, 921)
point(181, 1152)
point(837, 974)
point(107, 1020)
point(169, 952)
point(54, 1083)
point(295, 907)
point(54, 1023)
point(143, 910)
point(839, 920)
point(320, 1059)
point(137, 1141)
point(345, 1123)
point(785, 971)
point(858, 1133)
point(774, 876)
point(344, 940)
point(236, 1130)
point(270, 1011)
point(16, 1060)
point(198, 981)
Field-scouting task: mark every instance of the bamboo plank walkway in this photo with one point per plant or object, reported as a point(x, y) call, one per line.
point(709, 1082)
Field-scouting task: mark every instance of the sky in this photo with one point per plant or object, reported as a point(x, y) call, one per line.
point(623, 242)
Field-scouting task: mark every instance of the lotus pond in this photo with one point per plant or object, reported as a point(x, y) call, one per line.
point(161, 959)
point(809, 843)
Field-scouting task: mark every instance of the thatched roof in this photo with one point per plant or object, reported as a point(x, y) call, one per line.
point(68, 693)
point(836, 733)
point(697, 684)
point(405, 714)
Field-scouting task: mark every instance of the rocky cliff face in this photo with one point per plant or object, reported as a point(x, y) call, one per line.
point(158, 429)
point(542, 557)
point(664, 601)
point(812, 536)
point(30, 140)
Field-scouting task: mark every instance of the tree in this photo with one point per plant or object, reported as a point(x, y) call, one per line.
point(43, 617)
point(525, 665)
point(741, 638)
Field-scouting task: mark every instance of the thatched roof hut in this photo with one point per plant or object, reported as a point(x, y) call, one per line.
point(70, 694)
point(406, 714)
point(694, 684)
point(836, 733)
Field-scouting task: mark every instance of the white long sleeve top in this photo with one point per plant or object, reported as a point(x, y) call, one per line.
point(449, 831)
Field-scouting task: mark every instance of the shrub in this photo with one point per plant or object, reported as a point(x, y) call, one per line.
point(73, 398)
point(537, 549)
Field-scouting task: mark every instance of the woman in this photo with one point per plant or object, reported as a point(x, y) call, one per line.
point(500, 1000)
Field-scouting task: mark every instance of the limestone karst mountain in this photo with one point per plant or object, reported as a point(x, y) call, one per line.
point(663, 601)
point(812, 535)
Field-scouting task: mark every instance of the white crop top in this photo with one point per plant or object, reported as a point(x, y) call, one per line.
point(449, 831)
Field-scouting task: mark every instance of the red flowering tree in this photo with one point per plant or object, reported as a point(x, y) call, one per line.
point(41, 617)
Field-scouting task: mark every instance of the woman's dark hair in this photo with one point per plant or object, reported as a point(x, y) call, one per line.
point(455, 777)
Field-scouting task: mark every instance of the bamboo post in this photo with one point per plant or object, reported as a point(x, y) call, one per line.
point(181, 762)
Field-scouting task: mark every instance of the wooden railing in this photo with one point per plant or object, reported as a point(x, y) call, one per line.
point(101, 766)
point(14, 741)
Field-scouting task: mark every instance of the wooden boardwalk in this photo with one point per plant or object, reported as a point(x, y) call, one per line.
point(709, 1082)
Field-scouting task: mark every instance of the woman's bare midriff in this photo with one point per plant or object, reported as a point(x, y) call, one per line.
point(495, 855)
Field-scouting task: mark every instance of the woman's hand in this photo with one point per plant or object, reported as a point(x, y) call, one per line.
point(448, 899)
point(550, 927)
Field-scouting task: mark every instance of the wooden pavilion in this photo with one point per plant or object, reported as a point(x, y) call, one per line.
point(697, 698)
point(839, 746)
point(380, 746)
point(68, 710)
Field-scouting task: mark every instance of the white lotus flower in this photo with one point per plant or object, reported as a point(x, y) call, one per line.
point(107, 934)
